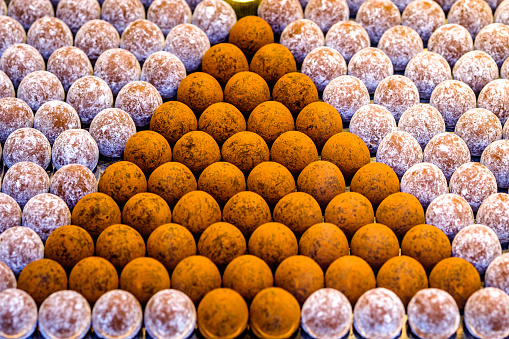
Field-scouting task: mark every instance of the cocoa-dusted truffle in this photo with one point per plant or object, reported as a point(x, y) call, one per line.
point(269, 120)
point(452, 98)
point(427, 244)
point(326, 13)
point(298, 211)
point(322, 180)
point(89, 96)
point(447, 151)
point(222, 180)
point(14, 114)
point(27, 144)
point(424, 181)
point(27, 13)
point(122, 180)
point(76, 13)
point(120, 13)
point(400, 212)
point(273, 61)
point(246, 210)
point(72, 182)
point(148, 150)
point(347, 37)
point(493, 97)
point(145, 212)
point(473, 15)
point(319, 121)
point(377, 16)
point(96, 37)
point(449, 213)
point(375, 181)
point(222, 242)
point(69, 244)
point(10, 213)
point(451, 41)
point(271, 180)
point(39, 87)
point(41, 278)
point(280, 14)
point(25, 180)
point(172, 120)
point(171, 181)
point(16, 69)
point(120, 244)
point(165, 72)
point(196, 211)
point(139, 99)
point(48, 34)
point(322, 65)
point(117, 67)
point(8, 279)
point(152, 42)
point(167, 14)
point(189, 43)
point(245, 150)
point(95, 212)
point(294, 150)
point(493, 213)
point(197, 150)
point(423, 122)
point(496, 274)
point(427, 70)
point(144, 277)
point(248, 275)
point(301, 37)
point(291, 83)
point(222, 120)
point(246, 90)
point(216, 18)
point(424, 16)
point(483, 323)
point(54, 117)
point(371, 66)
point(494, 158)
point(250, 34)
point(400, 44)
point(372, 123)
point(400, 151)
point(20, 246)
point(223, 61)
point(198, 91)
point(479, 63)
point(20, 309)
point(69, 64)
point(169, 244)
point(273, 242)
point(12, 31)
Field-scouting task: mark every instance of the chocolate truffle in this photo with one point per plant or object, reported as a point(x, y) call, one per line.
point(298, 211)
point(400, 44)
point(301, 37)
point(372, 123)
point(222, 120)
point(325, 13)
point(145, 212)
point(425, 181)
point(10, 213)
point(273, 242)
point(171, 181)
point(280, 14)
point(222, 242)
point(479, 63)
point(72, 182)
point(400, 212)
point(424, 16)
point(69, 244)
point(12, 31)
point(246, 210)
point(96, 37)
point(291, 83)
point(196, 211)
point(273, 61)
point(222, 180)
point(142, 38)
point(223, 61)
point(347, 37)
point(27, 144)
point(269, 120)
point(246, 90)
point(148, 150)
point(494, 213)
point(14, 114)
point(370, 65)
point(54, 117)
point(251, 146)
point(196, 150)
point(25, 180)
point(478, 127)
point(76, 13)
point(294, 150)
point(20, 246)
point(169, 244)
point(69, 64)
point(377, 16)
point(139, 99)
point(95, 212)
point(8, 279)
point(41, 278)
point(89, 96)
point(452, 98)
point(347, 151)
point(39, 87)
point(494, 158)
point(483, 323)
point(423, 122)
point(375, 181)
point(322, 65)
point(48, 34)
point(19, 312)
point(427, 244)
point(198, 91)
point(450, 213)
point(189, 43)
point(247, 275)
point(427, 70)
point(117, 67)
point(19, 60)
point(473, 15)
point(400, 151)
point(120, 13)
point(396, 93)
point(451, 41)
point(447, 151)
point(250, 34)
point(27, 13)
point(497, 272)
point(120, 244)
point(172, 120)
point(144, 277)
point(167, 14)
point(122, 180)
point(323, 180)
point(216, 18)
point(271, 180)
point(493, 97)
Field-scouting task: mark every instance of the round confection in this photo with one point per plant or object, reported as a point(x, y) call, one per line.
point(96, 37)
point(69, 244)
point(172, 120)
point(120, 13)
point(298, 211)
point(178, 42)
point(375, 181)
point(494, 157)
point(117, 314)
point(322, 65)
point(120, 244)
point(248, 275)
point(10, 213)
point(479, 63)
point(122, 180)
point(169, 244)
point(75, 146)
point(92, 277)
point(20, 246)
point(25, 180)
point(272, 61)
point(196, 276)
point(224, 60)
point(400, 212)
point(347, 151)
point(44, 213)
point(8, 279)
point(427, 244)
point(48, 34)
point(291, 83)
point(222, 242)
point(246, 90)
point(425, 181)
point(117, 67)
point(493, 97)
point(245, 150)
point(486, 313)
point(250, 34)
point(497, 272)
point(216, 18)
point(280, 14)
point(396, 93)
point(372, 123)
point(493, 213)
point(145, 212)
point(269, 120)
point(222, 120)
point(196, 150)
point(76, 13)
point(450, 213)
point(69, 64)
point(222, 180)
point(148, 150)
point(27, 13)
point(55, 117)
point(451, 41)
point(377, 16)
point(196, 211)
point(12, 31)
point(423, 122)
point(111, 129)
point(400, 151)
point(433, 313)
point(170, 314)
point(323, 180)
point(501, 14)
point(347, 37)
point(72, 182)
point(273, 242)
point(301, 37)
point(294, 150)
point(95, 212)
point(19, 312)
point(171, 181)
point(447, 151)
point(424, 16)
point(427, 70)
point(478, 127)
point(39, 87)
point(198, 91)
point(41, 278)
point(452, 98)
point(246, 210)
point(325, 13)
point(167, 14)
point(89, 96)
point(400, 44)
point(271, 180)
point(473, 15)
point(16, 69)
point(379, 313)
point(139, 99)
point(142, 38)
point(494, 39)
point(6, 87)
point(27, 144)
point(370, 65)
point(346, 94)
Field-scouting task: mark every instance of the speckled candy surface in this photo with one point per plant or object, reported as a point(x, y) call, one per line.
point(424, 16)
point(279, 14)
point(20, 313)
point(216, 18)
point(301, 37)
point(425, 181)
point(54, 117)
point(476, 69)
point(7, 277)
point(427, 70)
point(27, 144)
point(48, 34)
point(11, 63)
point(377, 16)
point(10, 213)
point(117, 67)
point(39, 87)
point(497, 273)
point(400, 151)
point(447, 151)
point(95, 37)
point(19, 246)
point(423, 122)
point(75, 146)
point(486, 313)
point(69, 64)
point(167, 14)
point(401, 44)
point(452, 98)
point(451, 41)
point(478, 127)
point(471, 14)
point(72, 182)
point(25, 180)
point(178, 43)
point(494, 213)
point(89, 96)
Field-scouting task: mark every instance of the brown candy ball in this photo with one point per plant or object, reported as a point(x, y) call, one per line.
point(41, 278)
point(273, 242)
point(25, 180)
point(269, 120)
point(172, 120)
point(10, 213)
point(451, 41)
point(322, 65)
point(171, 181)
point(496, 274)
point(247, 211)
point(68, 245)
point(117, 67)
point(21, 309)
point(377, 16)
point(120, 244)
point(76, 13)
point(27, 144)
point(479, 63)
point(478, 127)
point(447, 151)
point(493, 39)
point(271, 180)
point(272, 61)
point(427, 70)
point(89, 96)
point(400, 151)
point(246, 90)
point(216, 18)
point(294, 150)
point(222, 120)
point(196, 211)
point(144, 277)
point(16, 69)
point(400, 44)
point(375, 181)
point(39, 87)
point(170, 244)
point(48, 34)
point(424, 16)
point(292, 83)
point(145, 212)
point(96, 37)
point(122, 180)
point(14, 114)
point(199, 91)
point(319, 121)
point(120, 13)
point(189, 43)
point(322, 180)
point(148, 150)
point(169, 13)
point(245, 150)
point(222, 242)
point(27, 13)
point(12, 31)
point(347, 37)
point(222, 180)
point(196, 150)
point(452, 98)
point(69, 64)
point(494, 157)
point(152, 41)
point(8, 279)
point(298, 211)
point(301, 37)
point(55, 117)
point(222, 61)
point(423, 122)
point(473, 15)
point(493, 213)
point(280, 14)
point(427, 244)
point(250, 34)
point(371, 66)
point(95, 212)
point(139, 99)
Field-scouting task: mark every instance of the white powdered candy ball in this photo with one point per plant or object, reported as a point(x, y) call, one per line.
point(471, 14)
point(301, 37)
point(142, 38)
point(189, 43)
point(54, 117)
point(75, 146)
point(117, 67)
point(19, 311)
point(19, 246)
point(423, 122)
point(39, 87)
point(139, 99)
point(167, 14)
point(450, 213)
point(27, 144)
point(424, 16)
point(10, 213)
point(401, 44)
point(424, 181)
point(346, 94)
point(6, 87)
point(44, 213)
point(26, 12)
point(7, 277)
point(494, 40)
point(280, 14)
point(322, 65)
point(372, 123)
point(165, 72)
point(502, 13)
point(496, 158)
point(495, 98)
point(19, 60)
point(25, 180)
point(347, 37)
point(494, 213)
point(216, 18)
point(448, 152)
point(14, 114)
point(72, 182)
point(371, 66)
point(49, 34)
point(452, 98)
point(69, 64)
point(427, 70)
point(121, 13)
point(76, 13)
point(400, 151)
point(486, 313)
point(377, 16)
point(476, 69)
point(95, 37)
point(451, 41)
point(474, 182)
point(12, 33)
point(89, 96)
point(325, 13)
point(497, 273)
point(478, 127)
point(396, 93)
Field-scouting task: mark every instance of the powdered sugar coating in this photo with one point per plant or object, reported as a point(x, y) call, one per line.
point(372, 123)
point(494, 213)
point(347, 37)
point(450, 213)
point(379, 313)
point(322, 65)
point(27, 144)
point(117, 67)
point(487, 313)
point(26, 12)
point(170, 314)
point(424, 181)
point(502, 13)
point(433, 313)
point(117, 314)
point(496, 158)
point(7, 278)
point(72, 182)
point(75, 13)
point(49, 34)
point(474, 182)
point(494, 40)
point(169, 13)
point(371, 66)
point(12, 33)
point(423, 122)
point(139, 99)
point(39, 87)
point(25, 180)
point(301, 37)
point(497, 274)
point(377, 16)
point(427, 70)
point(89, 96)
point(448, 152)
point(495, 98)
point(400, 151)
point(346, 94)
point(14, 114)
point(189, 43)
point(95, 37)
point(476, 69)
point(326, 313)
point(19, 246)
point(452, 98)
point(165, 72)
point(121, 13)
point(505, 131)
point(65, 314)
point(401, 44)
point(44, 213)
point(396, 93)
point(478, 127)
point(280, 13)
point(18, 314)
point(69, 64)
point(325, 13)
point(424, 16)
point(451, 41)
point(10, 213)
point(216, 18)
point(111, 129)
point(75, 146)
point(471, 14)
point(54, 117)
point(142, 38)
point(19, 60)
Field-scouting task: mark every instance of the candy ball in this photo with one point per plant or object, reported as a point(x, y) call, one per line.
point(25, 180)
point(76, 13)
point(45, 213)
point(216, 18)
point(66, 185)
point(253, 148)
point(55, 117)
point(423, 122)
point(246, 210)
point(425, 181)
point(372, 123)
point(424, 16)
point(346, 102)
point(292, 83)
point(89, 96)
point(120, 13)
point(171, 181)
point(301, 37)
point(493, 98)
point(139, 99)
point(493, 213)
point(172, 120)
point(247, 275)
point(8, 279)
point(298, 211)
point(120, 244)
point(14, 114)
point(294, 150)
point(451, 41)
point(222, 242)
point(397, 94)
point(39, 87)
point(400, 212)
point(347, 37)
point(27, 144)
point(16, 69)
point(145, 212)
point(452, 98)
point(222, 180)
point(325, 13)
point(153, 39)
point(272, 61)
point(144, 277)
point(427, 70)
point(246, 90)
point(494, 157)
point(167, 14)
point(189, 43)
point(496, 274)
point(377, 16)
point(197, 150)
point(486, 324)
point(95, 212)
point(271, 180)
point(449, 213)
point(375, 181)
point(322, 180)
point(117, 67)
point(20, 246)
point(250, 34)
point(493, 39)
point(69, 244)
point(69, 64)
point(41, 278)
point(400, 151)
point(48, 34)
point(427, 244)
point(479, 63)
point(273, 242)
point(269, 120)
point(400, 44)
point(280, 14)
point(148, 150)
point(322, 65)
point(96, 37)
point(196, 211)
point(199, 91)
point(473, 15)
point(10, 213)
point(169, 244)
point(20, 309)
point(27, 14)
point(223, 61)
point(370, 65)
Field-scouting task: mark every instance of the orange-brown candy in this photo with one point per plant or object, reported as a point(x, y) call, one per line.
point(456, 276)
point(319, 121)
point(350, 275)
point(172, 120)
point(120, 244)
point(221, 120)
point(427, 244)
point(144, 277)
point(196, 150)
point(400, 212)
point(272, 61)
point(245, 150)
point(92, 277)
point(196, 276)
point(247, 275)
point(286, 89)
point(145, 212)
point(122, 180)
point(41, 278)
point(298, 211)
point(324, 243)
point(246, 90)
point(375, 243)
point(199, 90)
point(148, 150)
point(403, 275)
point(172, 181)
point(222, 242)
point(196, 211)
point(299, 275)
point(271, 180)
point(246, 210)
point(169, 244)
point(67, 245)
point(269, 120)
point(376, 181)
point(250, 34)
point(273, 242)
point(222, 181)
point(294, 150)
point(94, 212)
point(348, 152)
point(222, 61)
